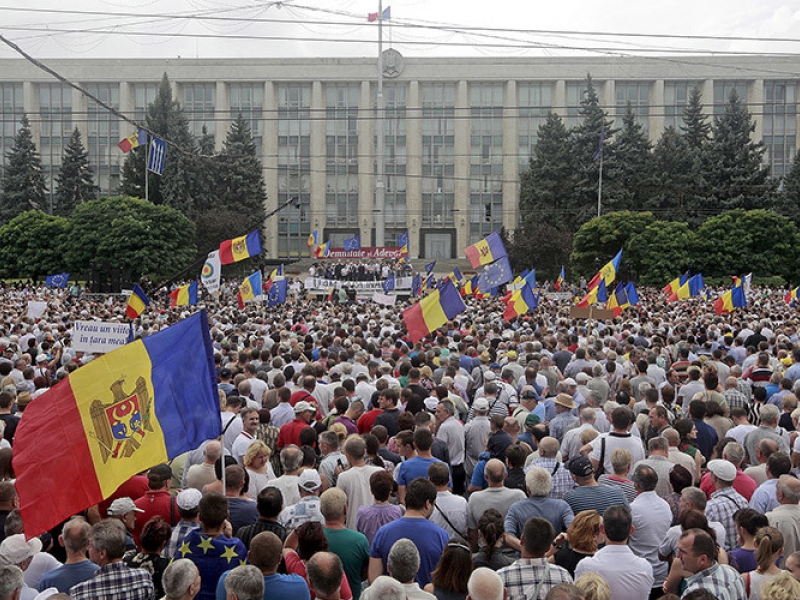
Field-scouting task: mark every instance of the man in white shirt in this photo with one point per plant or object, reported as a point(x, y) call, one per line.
point(245, 438)
point(619, 437)
point(629, 576)
point(652, 518)
point(451, 432)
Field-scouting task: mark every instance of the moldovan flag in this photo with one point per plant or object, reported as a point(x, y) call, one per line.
point(137, 302)
point(596, 294)
point(231, 251)
point(559, 280)
point(433, 311)
point(251, 287)
point(520, 303)
point(731, 299)
point(129, 143)
point(311, 242)
point(486, 251)
point(791, 296)
point(184, 295)
point(673, 286)
point(138, 406)
point(608, 273)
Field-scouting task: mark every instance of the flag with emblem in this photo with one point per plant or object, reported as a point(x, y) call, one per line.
point(486, 251)
point(250, 288)
point(231, 251)
point(135, 407)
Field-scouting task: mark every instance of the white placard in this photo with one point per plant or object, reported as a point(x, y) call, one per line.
point(96, 336)
point(36, 309)
point(384, 299)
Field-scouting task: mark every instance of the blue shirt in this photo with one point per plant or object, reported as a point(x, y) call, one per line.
point(64, 577)
point(415, 467)
point(556, 511)
point(285, 587)
point(429, 538)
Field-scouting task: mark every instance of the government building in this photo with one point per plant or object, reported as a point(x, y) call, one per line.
point(458, 131)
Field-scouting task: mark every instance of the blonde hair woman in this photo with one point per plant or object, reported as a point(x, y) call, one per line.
point(781, 587)
point(256, 462)
point(593, 586)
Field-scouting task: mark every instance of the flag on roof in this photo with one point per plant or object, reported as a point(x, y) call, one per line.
point(231, 251)
point(433, 311)
point(137, 302)
point(486, 251)
point(138, 406)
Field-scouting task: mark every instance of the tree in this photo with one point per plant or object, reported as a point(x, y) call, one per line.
point(697, 136)
point(672, 165)
point(790, 194)
point(547, 256)
point(599, 240)
point(545, 186)
point(23, 179)
point(152, 240)
point(661, 251)
point(586, 140)
point(33, 245)
point(240, 184)
point(739, 242)
point(631, 173)
point(75, 181)
point(176, 187)
point(736, 174)
point(696, 129)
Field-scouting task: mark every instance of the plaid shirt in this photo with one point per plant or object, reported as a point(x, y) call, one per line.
point(562, 480)
point(178, 533)
point(736, 398)
point(724, 582)
point(115, 581)
point(745, 387)
point(720, 508)
point(521, 577)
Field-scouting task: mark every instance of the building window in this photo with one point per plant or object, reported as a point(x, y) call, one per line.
point(535, 101)
point(247, 99)
point(779, 124)
point(55, 110)
point(676, 96)
point(104, 134)
point(722, 93)
point(486, 160)
point(576, 92)
point(294, 167)
point(341, 145)
point(395, 162)
point(438, 154)
point(637, 94)
point(198, 106)
point(11, 111)
point(144, 94)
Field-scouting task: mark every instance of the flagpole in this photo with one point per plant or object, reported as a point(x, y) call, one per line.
point(146, 161)
point(379, 212)
point(600, 186)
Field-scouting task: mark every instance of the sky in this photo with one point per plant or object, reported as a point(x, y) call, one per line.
point(418, 28)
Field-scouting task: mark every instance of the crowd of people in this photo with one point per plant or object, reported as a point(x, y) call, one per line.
point(360, 270)
point(650, 456)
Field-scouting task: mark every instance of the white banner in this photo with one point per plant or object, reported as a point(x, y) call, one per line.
point(210, 275)
point(96, 336)
point(36, 309)
point(361, 287)
point(384, 299)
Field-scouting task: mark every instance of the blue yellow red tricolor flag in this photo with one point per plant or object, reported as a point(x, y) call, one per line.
point(608, 273)
point(559, 280)
point(733, 298)
point(486, 251)
point(792, 296)
point(402, 241)
point(313, 238)
point(433, 311)
point(251, 287)
point(596, 294)
point(140, 405)
point(184, 295)
point(231, 251)
point(520, 302)
point(137, 302)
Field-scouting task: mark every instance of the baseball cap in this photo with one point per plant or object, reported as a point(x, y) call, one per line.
point(724, 470)
point(122, 506)
point(481, 404)
point(15, 549)
point(580, 466)
point(188, 499)
point(303, 406)
point(489, 376)
point(159, 473)
point(582, 377)
point(309, 480)
point(570, 381)
point(531, 420)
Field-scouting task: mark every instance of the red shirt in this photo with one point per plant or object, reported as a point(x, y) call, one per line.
point(290, 433)
point(367, 420)
point(155, 502)
point(134, 489)
point(304, 395)
point(744, 484)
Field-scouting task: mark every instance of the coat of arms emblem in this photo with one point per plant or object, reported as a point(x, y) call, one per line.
point(120, 426)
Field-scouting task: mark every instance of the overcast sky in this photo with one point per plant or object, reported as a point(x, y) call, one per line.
point(334, 28)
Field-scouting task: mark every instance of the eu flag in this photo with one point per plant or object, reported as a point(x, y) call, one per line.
point(58, 280)
point(277, 293)
point(352, 244)
point(496, 274)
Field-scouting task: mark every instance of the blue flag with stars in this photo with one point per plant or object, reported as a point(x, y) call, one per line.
point(277, 293)
point(416, 285)
point(212, 556)
point(352, 244)
point(429, 267)
point(388, 284)
point(59, 280)
point(496, 274)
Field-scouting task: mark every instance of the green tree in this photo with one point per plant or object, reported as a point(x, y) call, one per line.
point(75, 181)
point(696, 132)
point(547, 257)
point(23, 179)
point(545, 186)
point(736, 174)
point(152, 240)
point(631, 174)
point(696, 128)
point(240, 182)
point(33, 245)
point(739, 241)
point(176, 187)
point(586, 139)
point(599, 240)
point(790, 194)
point(672, 165)
point(661, 252)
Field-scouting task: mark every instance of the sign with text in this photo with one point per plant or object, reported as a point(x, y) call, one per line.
point(374, 252)
point(96, 336)
point(361, 287)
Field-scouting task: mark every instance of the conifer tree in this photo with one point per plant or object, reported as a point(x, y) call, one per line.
point(630, 175)
point(240, 184)
point(75, 181)
point(672, 165)
point(23, 178)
